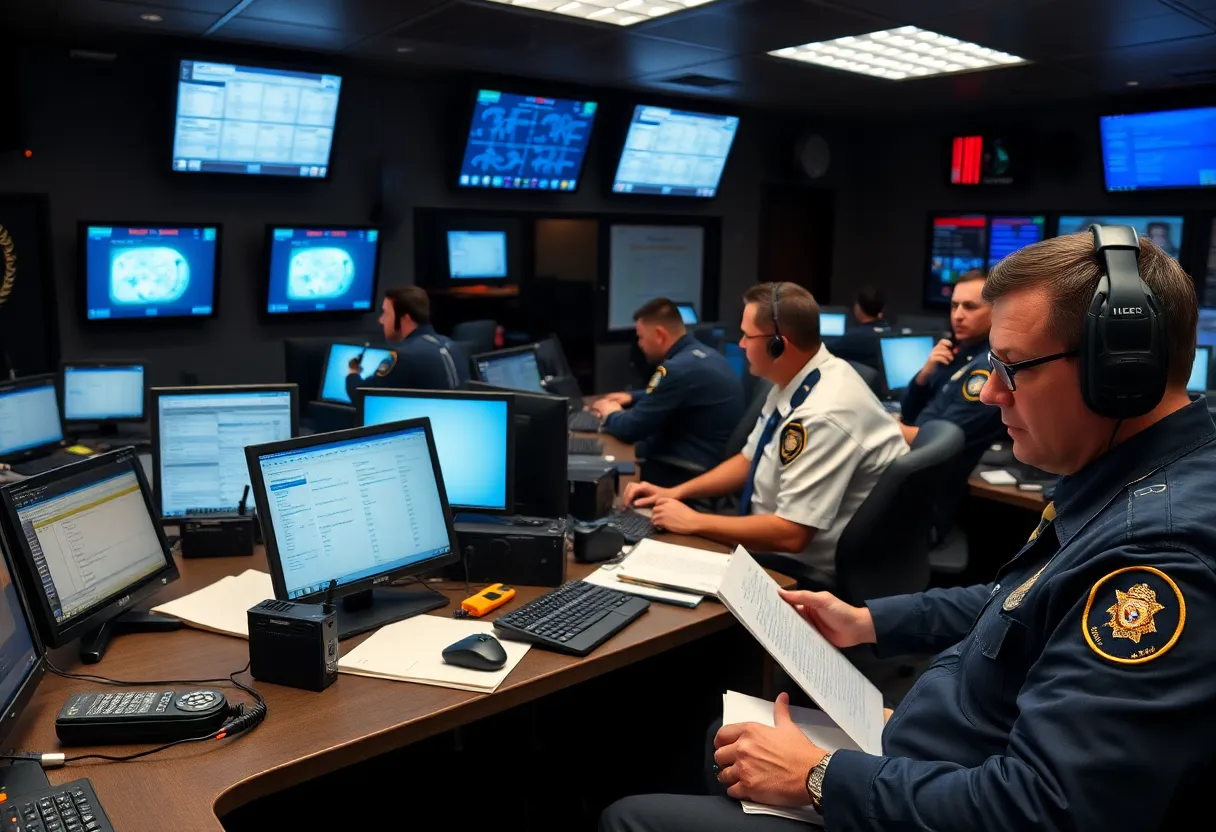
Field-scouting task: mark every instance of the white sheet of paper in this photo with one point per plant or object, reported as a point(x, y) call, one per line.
point(998, 477)
point(606, 576)
point(222, 607)
point(672, 564)
point(817, 667)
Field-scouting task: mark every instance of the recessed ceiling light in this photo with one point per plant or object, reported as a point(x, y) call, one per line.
point(151, 18)
point(898, 54)
point(620, 12)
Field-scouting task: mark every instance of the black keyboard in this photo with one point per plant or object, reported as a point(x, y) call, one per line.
point(72, 807)
point(630, 523)
point(586, 446)
point(583, 421)
point(575, 618)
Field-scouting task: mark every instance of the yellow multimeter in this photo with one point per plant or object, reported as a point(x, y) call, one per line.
point(488, 600)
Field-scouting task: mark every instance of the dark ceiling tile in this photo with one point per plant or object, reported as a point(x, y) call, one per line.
point(215, 7)
point(497, 28)
point(362, 17)
point(632, 55)
point(761, 25)
point(112, 15)
point(284, 34)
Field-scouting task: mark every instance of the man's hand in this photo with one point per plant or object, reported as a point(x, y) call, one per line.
point(842, 624)
point(622, 399)
point(644, 494)
point(672, 515)
point(605, 406)
point(767, 765)
point(942, 355)
point(886, 715)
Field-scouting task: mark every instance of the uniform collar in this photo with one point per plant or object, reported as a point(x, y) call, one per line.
point(1079, 497)
point(975, 349)
point(682, 343)
point(419, 331)
point(783, 396)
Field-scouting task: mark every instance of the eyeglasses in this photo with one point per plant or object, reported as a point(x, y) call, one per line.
point(1006, 372)
point(747, 337)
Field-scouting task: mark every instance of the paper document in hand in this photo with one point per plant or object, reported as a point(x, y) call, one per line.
point(817, 667)
point(670, 566)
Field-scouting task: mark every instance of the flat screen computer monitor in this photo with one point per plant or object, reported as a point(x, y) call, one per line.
point(736, 357)
point(1162, 149)
point(902, 357)
point(21, 669)
point(355, 509)
point(551, 357)
point(103, 391)
point(86, 546)
point(149, 270)
point(1207, 326)
point(674, 152)
point(1009, 234)
point(688, 313)
point(832, 323)
point(199, 436)
point(319, 270)
point(513, 369)
point(29, 417)
point(958, 243)
point(478, 474)
point(477, 255)
point(337, 368)
point(1166, 231)
point(1198, 382)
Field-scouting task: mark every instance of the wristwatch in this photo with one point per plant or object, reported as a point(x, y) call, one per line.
point(814, 783)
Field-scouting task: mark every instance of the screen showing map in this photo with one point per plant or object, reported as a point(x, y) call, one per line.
point(150, 271)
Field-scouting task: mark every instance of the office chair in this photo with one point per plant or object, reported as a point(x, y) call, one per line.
point(884, 549)
point(868, 374)
point(462, 354)
point(479, 334)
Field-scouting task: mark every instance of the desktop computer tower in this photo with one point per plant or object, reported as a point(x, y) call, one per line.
point(501, 553)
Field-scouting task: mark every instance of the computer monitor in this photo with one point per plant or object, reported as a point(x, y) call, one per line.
point(317, 271)
point(1166, 231)
point(1162, 149)
point(832, 324)
point(688, 313)
point(477, 255)
point(199, 435)
point(551, 357)
point(1207, 326)
point(1009, 234)
point(902, 357)
point(513, 369)
point(541, 438)
point(29, 418)
point(474, 435)
point(355, 509)
point(337, 368)
point(1200, 370)
point(674, 152)
point(107, 392)
point(22, 667)
point(86, 546)
point(958, 243)
point(736, 357)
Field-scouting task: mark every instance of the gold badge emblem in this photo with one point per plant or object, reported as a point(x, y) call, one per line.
point(974, 385)
point(1145, 621)
point(655, 379)
point(1131, 616)
point(793, 442)
point(387, 365)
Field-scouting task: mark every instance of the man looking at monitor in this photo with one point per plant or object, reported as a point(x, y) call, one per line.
point(819, 446)
point(690, 407)
point(860, 342)
point(421, 358)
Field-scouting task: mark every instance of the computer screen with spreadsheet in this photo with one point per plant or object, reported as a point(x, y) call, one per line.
point(514, 369)
point(902, 358)
point(1156, 150)
point(109, 392)
point(199, 435)
point(29, 416)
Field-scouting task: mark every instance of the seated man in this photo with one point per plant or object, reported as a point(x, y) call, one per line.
point(1088, 655)
point(860, 341)
point(819, 446)
point(692, 404)
point(421, 358)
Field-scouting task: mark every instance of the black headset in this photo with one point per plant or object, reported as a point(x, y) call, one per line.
point(1123, 362)
point(776, 344)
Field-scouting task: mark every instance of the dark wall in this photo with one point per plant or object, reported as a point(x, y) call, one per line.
point(101, 134)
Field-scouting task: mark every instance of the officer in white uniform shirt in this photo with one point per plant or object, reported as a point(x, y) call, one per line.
point(821, 443)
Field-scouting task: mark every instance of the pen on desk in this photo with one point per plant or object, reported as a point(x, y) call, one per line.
point(690, 590)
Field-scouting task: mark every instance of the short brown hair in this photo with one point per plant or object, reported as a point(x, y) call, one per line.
point(660, 312)
point(1069, 269)
point(412, 301)
point(970, 275)
point(797, 312)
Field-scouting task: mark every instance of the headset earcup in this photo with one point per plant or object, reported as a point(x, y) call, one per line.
point(776, 347)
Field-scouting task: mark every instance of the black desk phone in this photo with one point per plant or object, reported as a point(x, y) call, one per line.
point(152, 716)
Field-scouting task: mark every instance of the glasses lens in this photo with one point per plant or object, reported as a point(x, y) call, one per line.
point(1002, 371)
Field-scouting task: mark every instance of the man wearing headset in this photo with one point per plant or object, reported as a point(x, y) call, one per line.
point(1078, 686)
point(817, 450)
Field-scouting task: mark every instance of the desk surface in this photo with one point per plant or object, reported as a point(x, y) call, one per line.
point(308, 734)
point(1007, 494)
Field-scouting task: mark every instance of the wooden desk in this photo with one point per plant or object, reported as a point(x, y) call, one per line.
point(1010, 495)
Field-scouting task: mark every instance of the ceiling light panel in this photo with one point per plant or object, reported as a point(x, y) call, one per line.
point(619, 12)
point(900, 54)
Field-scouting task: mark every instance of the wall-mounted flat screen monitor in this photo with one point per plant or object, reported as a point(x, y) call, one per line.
point(1154, 151)
point(1008, 234)
point(1165, 231)
point(321, 269)
point(477, 255)
point(958, 243)
point(674, 152)
point(149, 270)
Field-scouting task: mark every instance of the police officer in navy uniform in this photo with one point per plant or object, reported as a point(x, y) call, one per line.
point(860, 341)
point(1076, 691)
point(421, 358)
point(690, 406)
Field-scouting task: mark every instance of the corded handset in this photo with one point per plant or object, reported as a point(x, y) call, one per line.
point(122, 717)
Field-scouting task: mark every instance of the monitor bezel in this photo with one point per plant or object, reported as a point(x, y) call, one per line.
point(316, 314)
point(508, 399)
point(882, 364)
point(31, 382)
point(15, 707)
point(611, 174)
point(154, 395)
point(325, 369)
point(82, 271)
point(253, 453)
point(102, 365)
point(53, 633)
point(1106, 188)
point(507, 353)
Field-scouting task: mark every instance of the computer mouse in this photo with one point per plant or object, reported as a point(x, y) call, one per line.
point(477, 652)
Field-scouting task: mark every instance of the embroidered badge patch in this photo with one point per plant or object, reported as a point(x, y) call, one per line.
point(387, 365)
point(655, 379)
point(974, 384)
point(1134, 615)
point(793, 441)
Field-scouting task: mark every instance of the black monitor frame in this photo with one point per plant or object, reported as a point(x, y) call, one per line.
point(324, 314)
point(895, 392)
point(15, 707)
point(111, 615)
point(507, 353)
point(457, 395)
point(64, 366)
point(154, 395)
point(366, 603)
point(31, 382)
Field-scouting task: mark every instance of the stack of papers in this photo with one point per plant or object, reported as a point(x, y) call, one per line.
point(412, 651)
point(223, 606)
point(665, 572)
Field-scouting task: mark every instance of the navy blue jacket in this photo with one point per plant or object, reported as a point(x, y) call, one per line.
point(690, 407)
point(423, 361)
point(1083, 700)
point(859, 343)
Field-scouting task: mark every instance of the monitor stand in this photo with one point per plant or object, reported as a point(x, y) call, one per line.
point(94, 643)
point(18, 777)
point(376, 607)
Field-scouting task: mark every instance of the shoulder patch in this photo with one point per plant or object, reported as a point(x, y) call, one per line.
point(699, 353)
point(656, 378)
point(974, 383)
point(387, 365)
point(1133, 615)
point(793, 441)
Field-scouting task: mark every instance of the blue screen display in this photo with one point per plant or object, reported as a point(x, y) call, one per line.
point(903, 357)
point(470, 438)
point(513, 371)
point(1169, 149)
point(477, 254)
point(1198, 382)
point(832, 323)
point(1008, 234)
point(1166, 232)
point(526, 142)
point(337, 368)
point(150, 272)
point(29, 418)
point(322, 269)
